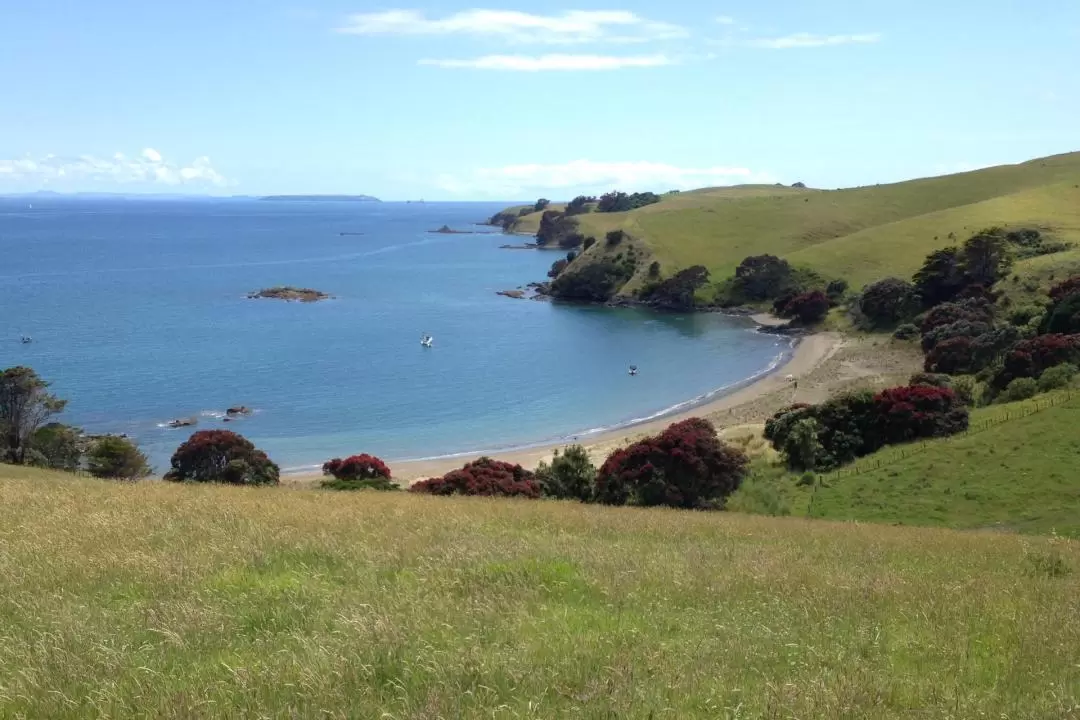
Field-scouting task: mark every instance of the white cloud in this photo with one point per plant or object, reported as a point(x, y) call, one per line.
point(527, 63)
point(808, 40)
point(573, 26)
point(594, 177)
point(725, 20)
point(149, 167)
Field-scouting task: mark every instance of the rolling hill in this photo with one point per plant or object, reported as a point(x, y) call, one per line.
point(859, 234)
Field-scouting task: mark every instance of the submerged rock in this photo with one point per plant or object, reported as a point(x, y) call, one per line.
point(289, 293)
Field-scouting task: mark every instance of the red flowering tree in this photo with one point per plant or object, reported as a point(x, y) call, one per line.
point(685, 466)
point(808, 308)
point(221, 456)
point(356, 472)
point(1063, 315)
point(1065, 289)
point(973, 310)
point(918, 411)
point(1030, 358)
point(954, 356)
point(483, 477)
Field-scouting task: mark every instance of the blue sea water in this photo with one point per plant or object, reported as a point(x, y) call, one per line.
point(138, 313)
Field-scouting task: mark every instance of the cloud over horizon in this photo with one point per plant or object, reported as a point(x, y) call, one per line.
point(569, 27)
point(148, 167)
point(809, 40)
point(527, 63)
point(594, 177)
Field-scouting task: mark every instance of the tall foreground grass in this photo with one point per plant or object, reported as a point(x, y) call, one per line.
point(167, 601)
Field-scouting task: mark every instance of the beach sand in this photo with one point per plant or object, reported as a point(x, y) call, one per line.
point(821, 365)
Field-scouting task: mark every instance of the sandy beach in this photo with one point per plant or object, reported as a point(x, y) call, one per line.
point(819, 366)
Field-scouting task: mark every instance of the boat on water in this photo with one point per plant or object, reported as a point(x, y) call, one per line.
point(26, 340)
point(426, 340)
point(633, 370)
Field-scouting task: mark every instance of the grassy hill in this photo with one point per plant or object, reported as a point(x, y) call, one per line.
point(168, 601)
point(1015, 470)
point(861, 234)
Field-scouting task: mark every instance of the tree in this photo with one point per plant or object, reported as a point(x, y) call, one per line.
point(908, 413)
point(986, 257)
point(221, 456)
point(887, 302)
point(614, 237)
point(357, 472)
point(760, 277)
point(1030, 358)
point(485, 477)
point(802, 448)
point(557, 267)
point(117, 458)
point(589, 242)
point(60, 444)
point(570, 476)
point(954, 356)
point(541, 204)
point(836, 290)
point(25, 403)
point(579, 205)
point(808, 308)
point(1063, 315)
point(972, 310)
point(685, 466)
point(677, 292)
point(613, 201)
point(1065, 288)
point(594, 282)
point(941, 278)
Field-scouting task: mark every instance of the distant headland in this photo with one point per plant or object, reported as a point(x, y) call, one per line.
point(321, 198)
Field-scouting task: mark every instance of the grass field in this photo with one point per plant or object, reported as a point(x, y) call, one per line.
point(166, 601)
point(861, 234)
point(1020, 474)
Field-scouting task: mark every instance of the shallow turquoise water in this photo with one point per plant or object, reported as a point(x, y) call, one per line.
point(139, 315)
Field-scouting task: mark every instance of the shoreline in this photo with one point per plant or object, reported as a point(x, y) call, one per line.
point(805, 355)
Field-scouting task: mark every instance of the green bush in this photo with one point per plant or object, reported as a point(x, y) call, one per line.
point(60, 444)
point(1056, 377)
point(570, 476)
point(967, 389)
point(907, 331)
point(1019, 389)
point(117, 458)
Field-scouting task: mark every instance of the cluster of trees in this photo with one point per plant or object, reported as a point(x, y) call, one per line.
point(594, 282)
point(616, 201)
point(685, 466)
point(221, 456)
point(676, 292)
point(825, 436)
point(580, 204)
point(794, 293)
point(558, 229)
point(27, 438)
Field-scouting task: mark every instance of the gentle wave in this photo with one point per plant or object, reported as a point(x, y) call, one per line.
point(779, 360)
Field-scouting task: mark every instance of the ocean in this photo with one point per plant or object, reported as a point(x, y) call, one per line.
point(139, 315)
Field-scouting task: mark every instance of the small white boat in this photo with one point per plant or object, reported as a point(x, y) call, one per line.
point(633, 370)
point(426, 340)
point(26, 339)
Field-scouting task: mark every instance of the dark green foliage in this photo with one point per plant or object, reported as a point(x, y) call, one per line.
point(616, 201)
point(907, 331)
point(1024, 314)
point(802, 447)
point(541, 204)
point(887, 302)
point(25, 404)
point(685, 466)
point(1019, 389)
point(593, 282)
point(60, 445)
point(506, 218)
point(221, 456)
point(589, 242)
point(556, 228)
point(761, 277)
point(571, 240)
point(570, 476)
point(654, 269)
point(986, 257)
point(960, 328)
point(836, 290)
point(1063, 316)
point(579, 205)
point(117, 458)
point(931, 379)
point(1056, 377)
point(807, 308)
point(941, 278)
point(677, 292)
point(557, 267)
point(970, 310)
point(614, 237)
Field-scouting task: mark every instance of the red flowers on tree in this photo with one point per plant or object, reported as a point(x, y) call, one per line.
point(356, 467)
point(483, 477)
point(685, 466)
point(1065, 289)
point(808, 308)
point(1030, 358)
point(918, 411)
point(221, 456)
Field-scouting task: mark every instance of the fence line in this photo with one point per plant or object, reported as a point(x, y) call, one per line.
point(902, 452)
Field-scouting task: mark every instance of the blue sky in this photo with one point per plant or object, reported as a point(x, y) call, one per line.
point(506, 100)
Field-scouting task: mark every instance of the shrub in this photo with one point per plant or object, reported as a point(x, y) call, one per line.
point(887, 301)
point(654, 269)
point(985, 257)
point(961, 328)
point(557, 268)
point(485, 477)
point(1019, 389)
point(844, 425)
point(941, 278)
point(595, 282)
point(760, 277)
point(579, 205)
point(1065, 289)
point(931, 379)
point(836, 290)
point(614, 237)
point(117, 458)
point(907, 331)
point(570, 476)
point(357, 472)
point(616, 201)
point(1063, 316)
point(685, 466)
point(1024, 314)
point(25, 403)
point(60, 445)
point(541, 204)
point(1056, 377)
point(589, 242)
point(808, 308)
point(802, 448)
point(967, 389)
point(556, 228)
point(971, 310)
point(954, 356)
point(221, 456)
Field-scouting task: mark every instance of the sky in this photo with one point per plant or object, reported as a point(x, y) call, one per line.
point(505, 100)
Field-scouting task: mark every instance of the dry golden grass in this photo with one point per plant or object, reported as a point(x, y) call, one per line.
point(165, 601)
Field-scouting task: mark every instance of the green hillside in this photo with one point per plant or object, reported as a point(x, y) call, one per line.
point(181, 601)
point(1018, 469)
point(860, 234)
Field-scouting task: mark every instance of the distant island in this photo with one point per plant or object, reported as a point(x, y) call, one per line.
point(321, 198)
point(289, 293)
